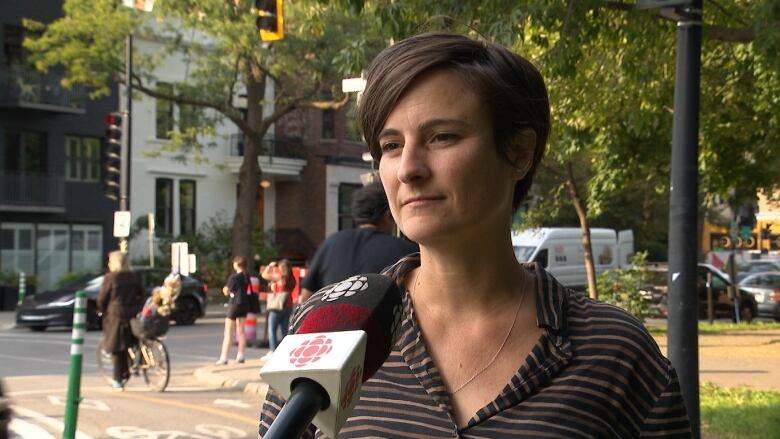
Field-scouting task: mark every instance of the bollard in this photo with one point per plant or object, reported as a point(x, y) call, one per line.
point(22, 287)
point(250, 328)
point(74, 376)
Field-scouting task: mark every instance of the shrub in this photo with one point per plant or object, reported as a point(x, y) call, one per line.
point(623, 287)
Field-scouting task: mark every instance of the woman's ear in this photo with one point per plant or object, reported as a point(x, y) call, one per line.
point(521, 152)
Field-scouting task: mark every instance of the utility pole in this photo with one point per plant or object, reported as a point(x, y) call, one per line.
point(124, 184)
point(683, 210)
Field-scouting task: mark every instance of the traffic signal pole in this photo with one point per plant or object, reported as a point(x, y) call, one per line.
point(124, 182)
point(683, 210)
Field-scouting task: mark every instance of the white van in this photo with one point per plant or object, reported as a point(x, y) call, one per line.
point(559, 250)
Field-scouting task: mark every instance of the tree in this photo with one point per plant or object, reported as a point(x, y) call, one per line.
point(219, 40)
point(610, 75)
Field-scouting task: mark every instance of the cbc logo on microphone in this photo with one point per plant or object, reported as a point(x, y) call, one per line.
point(346, 288)
point(311, 350)
point(351, 387)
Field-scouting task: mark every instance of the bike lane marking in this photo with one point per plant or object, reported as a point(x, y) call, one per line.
point(53, 423)
point(211, 410)
point(23, 429)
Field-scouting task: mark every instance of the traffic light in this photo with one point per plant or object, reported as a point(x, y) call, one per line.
point(746, 220)
point(270, 19)
point(112, 156)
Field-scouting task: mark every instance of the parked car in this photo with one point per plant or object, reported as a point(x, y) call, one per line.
point(55, 307)
point(747, 268)
point(765, 287)
point(723, 304)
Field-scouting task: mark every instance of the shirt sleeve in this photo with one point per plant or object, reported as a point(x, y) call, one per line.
point(668, 417)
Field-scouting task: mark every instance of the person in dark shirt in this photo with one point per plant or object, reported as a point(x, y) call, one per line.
point(238, 307)
point(368, 248)
point(121, 297)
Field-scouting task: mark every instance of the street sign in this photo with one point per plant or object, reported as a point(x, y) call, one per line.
point(180, 260)
point(122, 220)
point(353, 84)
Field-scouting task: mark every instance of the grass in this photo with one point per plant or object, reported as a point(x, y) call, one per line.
point(719, 328)
point(739, 412)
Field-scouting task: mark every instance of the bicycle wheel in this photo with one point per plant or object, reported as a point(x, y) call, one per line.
point(155, 364)
point(105, 363)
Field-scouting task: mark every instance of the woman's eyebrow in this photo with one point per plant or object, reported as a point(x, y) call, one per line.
point(425, 125)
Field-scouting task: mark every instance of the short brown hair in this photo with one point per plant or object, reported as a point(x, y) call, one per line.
point(508, 84)
point(241, 261)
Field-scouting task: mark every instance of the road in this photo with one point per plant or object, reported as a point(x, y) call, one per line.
point(34, 368)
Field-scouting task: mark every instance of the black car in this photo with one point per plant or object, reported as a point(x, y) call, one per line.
point(709, 277)
point(55, 307)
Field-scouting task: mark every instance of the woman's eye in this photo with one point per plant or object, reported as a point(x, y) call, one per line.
point(444, 137)
point(389, 146)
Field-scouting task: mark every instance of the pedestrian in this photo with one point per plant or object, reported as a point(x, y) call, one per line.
point(238, 306)
point(120, 299)
point(489, 347)
point(279, 303)
point(368, 248)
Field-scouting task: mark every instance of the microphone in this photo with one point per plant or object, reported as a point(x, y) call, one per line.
point(346, 333)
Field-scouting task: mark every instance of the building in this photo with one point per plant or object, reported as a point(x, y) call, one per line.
point(54, 218)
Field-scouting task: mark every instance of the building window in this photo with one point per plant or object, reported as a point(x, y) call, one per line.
point(345, 205)
point(12, 44)
point(82, 158)
point(163, 206)
point(350, 118)
point(25, 152)
point(328, 124)
point(53, 250)
point(164, 112)
point(86, 243)
point(16, 248)
point(187, 206)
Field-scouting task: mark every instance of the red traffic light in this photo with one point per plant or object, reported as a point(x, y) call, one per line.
point(114, 118)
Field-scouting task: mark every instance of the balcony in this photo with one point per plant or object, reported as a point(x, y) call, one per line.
point(283, 158)
point(32, 193)
point(24, 87)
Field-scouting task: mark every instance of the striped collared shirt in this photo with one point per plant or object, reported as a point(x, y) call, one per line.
point(595, 373)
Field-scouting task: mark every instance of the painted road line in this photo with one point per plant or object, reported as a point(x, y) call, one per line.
point(52, 423)
point(213, 411)
point(24, 429)
point(41, 360)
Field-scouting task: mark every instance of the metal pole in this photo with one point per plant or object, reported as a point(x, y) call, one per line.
point(733, 270)
point(683, 245)
point(124, 176)
point(22, 287)
point(74, 376)
point(150, 228)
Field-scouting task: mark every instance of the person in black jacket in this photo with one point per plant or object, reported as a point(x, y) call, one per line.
point(238, 307)
point(120, 299)
point(368, 248)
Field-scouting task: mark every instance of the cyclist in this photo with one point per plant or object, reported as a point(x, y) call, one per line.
point(120, 299)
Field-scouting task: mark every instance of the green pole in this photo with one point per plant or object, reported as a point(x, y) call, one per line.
point(74, 376)
point(22, 287)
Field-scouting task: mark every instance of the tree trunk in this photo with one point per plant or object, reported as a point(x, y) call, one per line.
point(582, 214)
point(249, 173)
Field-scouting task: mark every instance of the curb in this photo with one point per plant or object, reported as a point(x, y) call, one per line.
point(217, 376)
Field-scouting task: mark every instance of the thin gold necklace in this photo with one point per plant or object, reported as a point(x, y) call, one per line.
point(500, 348)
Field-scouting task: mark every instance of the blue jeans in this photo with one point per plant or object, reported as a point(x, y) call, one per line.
point(281, 320)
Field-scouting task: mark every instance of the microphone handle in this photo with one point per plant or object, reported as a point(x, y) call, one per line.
point(307, 398)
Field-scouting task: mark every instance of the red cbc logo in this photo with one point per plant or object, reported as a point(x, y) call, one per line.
point(311, 350)
point(351, 387)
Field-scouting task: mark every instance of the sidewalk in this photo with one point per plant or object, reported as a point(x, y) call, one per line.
point(244, 376)
point(750, 358)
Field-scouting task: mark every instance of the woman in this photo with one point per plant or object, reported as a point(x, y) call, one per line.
point(120, 299)
point(238, 306)
point(489, 347)
point(282, 281)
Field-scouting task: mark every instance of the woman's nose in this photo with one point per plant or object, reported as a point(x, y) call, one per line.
point(414, 164)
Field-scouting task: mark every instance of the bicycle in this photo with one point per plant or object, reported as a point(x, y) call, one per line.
point(148, 359)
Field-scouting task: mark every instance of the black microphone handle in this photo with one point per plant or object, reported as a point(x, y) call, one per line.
point(307, 398)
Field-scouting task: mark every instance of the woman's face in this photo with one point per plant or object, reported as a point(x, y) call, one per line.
point(443, 175)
